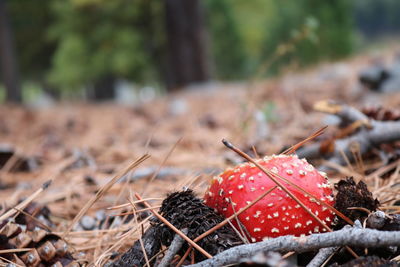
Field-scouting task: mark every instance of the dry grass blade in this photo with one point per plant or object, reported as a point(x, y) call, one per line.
point(130, 204)
point(161, 218)
point(25, 203)
point(103, 190)
point(301, 143)
point(9, 262)
point(162, 164)
point(140, 237)
point(15, 250)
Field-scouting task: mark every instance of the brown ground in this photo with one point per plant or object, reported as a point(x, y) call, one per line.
point(77, 141)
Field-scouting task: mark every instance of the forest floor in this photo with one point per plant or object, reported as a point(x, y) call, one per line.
point(81, 146)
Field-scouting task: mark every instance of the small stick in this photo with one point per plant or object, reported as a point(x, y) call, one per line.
point(173, 249)
point(322, 255)
point(176, 230)
point(358, 237)
point(301, 143)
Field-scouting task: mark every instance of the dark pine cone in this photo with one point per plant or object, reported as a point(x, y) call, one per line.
point(184, 210)
point(350, 195)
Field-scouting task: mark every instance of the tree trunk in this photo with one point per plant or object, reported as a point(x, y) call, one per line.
point(187, 53)
point(8, 62)
point(104, 89)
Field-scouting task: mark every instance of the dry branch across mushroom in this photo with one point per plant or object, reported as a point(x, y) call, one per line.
point(276, 214)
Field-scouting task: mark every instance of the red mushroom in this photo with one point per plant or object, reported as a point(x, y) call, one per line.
point(277, 213)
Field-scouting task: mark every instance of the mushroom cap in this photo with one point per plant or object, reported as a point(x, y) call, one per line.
point(277, 213)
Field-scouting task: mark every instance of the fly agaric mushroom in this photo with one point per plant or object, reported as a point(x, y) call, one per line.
point(277, 213)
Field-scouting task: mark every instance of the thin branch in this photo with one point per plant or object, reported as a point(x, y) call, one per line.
point(322, 255)
point(175, 246)
point(293, 148)
point(345, 237)
point(161, 218)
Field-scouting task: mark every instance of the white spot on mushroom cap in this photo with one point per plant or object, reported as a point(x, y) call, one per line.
point(240, 186)
point(257, 230)
point(309, 168)
point(302, 173)
point(276, 214)
point(231, 177)
point(297, 225)
point(251, 178)
point(274, 170)
point(230, 192)
point(274, 230)
point(243, 175)
point(247, 218)
point(220, 192)
point(270, 204)
point(289, 171)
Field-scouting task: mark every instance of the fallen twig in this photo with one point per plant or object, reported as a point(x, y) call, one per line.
point(366, 134)
point(322, 255)
point(175, 246)
point(345, 237)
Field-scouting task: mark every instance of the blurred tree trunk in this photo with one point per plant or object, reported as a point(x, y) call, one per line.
point(187, 53)
point(104, 88)
point(8, 62)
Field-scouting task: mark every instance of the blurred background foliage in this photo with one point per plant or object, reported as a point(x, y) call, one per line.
point(85, 47)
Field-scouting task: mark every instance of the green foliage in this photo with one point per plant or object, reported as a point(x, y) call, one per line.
point(227, 45)
point(74, 43)
point(99, 38)
point(33, 49)
point(315, 30)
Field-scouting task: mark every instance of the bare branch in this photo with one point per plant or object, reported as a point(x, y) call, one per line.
point(322, 256)
point(173, 249)
point(344, 237)
point(369, 133)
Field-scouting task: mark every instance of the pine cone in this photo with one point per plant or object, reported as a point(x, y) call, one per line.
point(184, 210)
point(29, 232)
